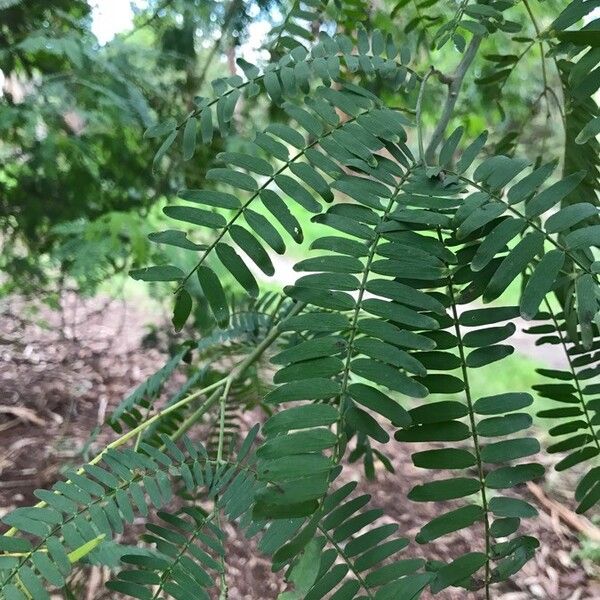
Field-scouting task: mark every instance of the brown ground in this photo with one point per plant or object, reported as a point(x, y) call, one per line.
point(62, 371)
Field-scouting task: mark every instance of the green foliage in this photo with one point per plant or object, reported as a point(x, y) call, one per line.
point(376, 343)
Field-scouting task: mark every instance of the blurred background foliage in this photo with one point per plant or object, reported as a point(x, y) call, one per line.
point(77, 194)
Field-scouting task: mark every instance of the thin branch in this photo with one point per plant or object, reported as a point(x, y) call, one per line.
point(454, 86)
point(422, 157)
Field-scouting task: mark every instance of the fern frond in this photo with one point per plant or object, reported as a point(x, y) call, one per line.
point(190, 542)
point(101, 500)
point(350, 142)
point(575, 413)
point(340, 551)
point(143, 397)
point(296, 29)
point(567, 265)
point(286, 79)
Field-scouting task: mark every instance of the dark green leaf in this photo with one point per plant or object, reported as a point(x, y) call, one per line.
point(236, 266)
point(450, 522)
point(182, 309)
point(514, 264)
point(308, 389)
point(197, 216)
point(162, 273)
point(502, 403)
point(213, 291)
point(444, 489)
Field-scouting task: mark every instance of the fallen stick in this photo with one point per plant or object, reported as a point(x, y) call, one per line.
point(573, 520)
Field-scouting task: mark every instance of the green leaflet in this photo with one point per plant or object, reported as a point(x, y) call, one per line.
point(173, 237)
point(488, 336)
point(450, 522)
point(479, 218)
point(264, 229)
point(438, 412)
point(497, 171)
point(496, 240)
point(480, 357)
point(291, 187)
point(301, 417)
point(405, 295)
point(504, 527)
point(163, 149)
point(457, 570)
point(394, 335)
point(277, 207)
point(307, 389)
point(332, 263)
point(327, 366)
point(233, 178)
point(378, 402)
point(505, 425)
point(444, 489)
point(287, 134)
point(210, 198)
point(502, 403)
point(585, 237)
point(530, 183)
point(514, 264)
point(247, 162)
point(317, 322)
point(507, 450)
point(312, 440)
point(211, 287)
point(197, 216)
point(366, 424)
point(471, 152)
point(182, 309)
point(399, 314)
point(507, 477)
point(503, 506)
point(253, 248)
point(329, 281)
point(541, 282)
point(315, 348)
point(487, 316)
point(448, 458)
point(385, 375)
point(158, 273)
point(189, 138)
point(236, 266)
point(546, 199)
point(449, 147)
point(389, 354)
point(570, 216)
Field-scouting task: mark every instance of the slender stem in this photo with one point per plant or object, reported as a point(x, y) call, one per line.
point(356, 314)
point(347, 560)
point(419, 115)
point(222, 409)
point(192, 419)
point(453, 90)
point(235, 374)
point(133, 433)
point(543, 60)
point(473, 424)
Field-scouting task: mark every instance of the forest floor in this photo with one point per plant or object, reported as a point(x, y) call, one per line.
point(63, 371)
